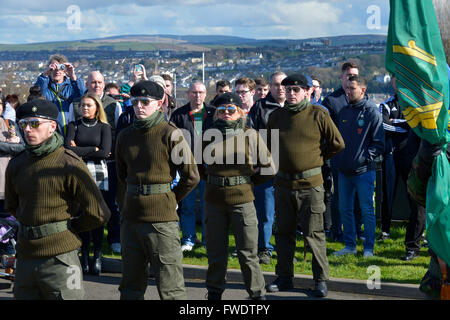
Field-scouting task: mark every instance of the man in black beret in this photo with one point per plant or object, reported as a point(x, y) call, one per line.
point(307, 137)
point(68, 202)
point(149, 232)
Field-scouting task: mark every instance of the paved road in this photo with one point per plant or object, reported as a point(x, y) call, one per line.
point(105, 287)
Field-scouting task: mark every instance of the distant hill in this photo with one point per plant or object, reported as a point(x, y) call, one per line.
point(179, 43)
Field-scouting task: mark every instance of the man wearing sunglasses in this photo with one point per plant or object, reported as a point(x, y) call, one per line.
point(146, 167)
point(51, 193)
point(307, 137)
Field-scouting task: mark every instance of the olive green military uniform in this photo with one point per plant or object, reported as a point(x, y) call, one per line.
point(149, 229)
point(44, 194)
point(229, 200)
point(306, 138)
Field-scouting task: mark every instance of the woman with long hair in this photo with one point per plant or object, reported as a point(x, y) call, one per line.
point(90, 138)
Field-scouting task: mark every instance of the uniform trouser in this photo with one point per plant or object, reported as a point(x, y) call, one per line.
point(243, 221)
point(52, 278)
point(308, 203)
point(159, 244)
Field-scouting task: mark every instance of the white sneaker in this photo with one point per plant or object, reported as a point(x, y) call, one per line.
point(345, 251)
point(368, 253)
point(115, 247)
point(186, 247)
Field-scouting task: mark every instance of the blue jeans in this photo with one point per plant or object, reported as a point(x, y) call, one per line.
point(364, 186)
point(265, 212)
point(336, 223)
point(188, 215)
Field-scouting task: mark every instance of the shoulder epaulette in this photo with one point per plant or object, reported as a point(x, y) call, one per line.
point(72, 154)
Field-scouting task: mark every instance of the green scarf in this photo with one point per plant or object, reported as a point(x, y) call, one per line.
point(226, 125)
point(298, 107)
point(46, 147)
point(147, 123)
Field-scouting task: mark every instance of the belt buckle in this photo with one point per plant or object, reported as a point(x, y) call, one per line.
point(226, 182)
point(140, 189)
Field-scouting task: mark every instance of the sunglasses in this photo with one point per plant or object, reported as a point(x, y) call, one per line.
point(34, 123)
point(144, 101)
point(295, 89)
point(231, 110)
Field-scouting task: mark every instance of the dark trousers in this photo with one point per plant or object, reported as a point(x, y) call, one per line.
point(95, 236)
point(328, 195)
point(110, 199)
point(415, 228)
point(389, 184)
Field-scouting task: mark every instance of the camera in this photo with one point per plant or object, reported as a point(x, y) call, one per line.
point(61, 66)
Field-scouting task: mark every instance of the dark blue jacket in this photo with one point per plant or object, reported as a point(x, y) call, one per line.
point(335, 102)
point(361, 126)
point(62, 95)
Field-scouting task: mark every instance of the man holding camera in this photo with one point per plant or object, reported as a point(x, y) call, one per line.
point(60, 85)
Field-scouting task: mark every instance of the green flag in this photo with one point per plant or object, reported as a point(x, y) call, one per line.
point(415, 55)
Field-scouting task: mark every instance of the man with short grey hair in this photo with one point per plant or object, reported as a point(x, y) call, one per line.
point(195, 117)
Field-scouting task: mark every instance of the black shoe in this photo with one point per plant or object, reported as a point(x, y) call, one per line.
point(280, 284)
point(84, 261)
point(97, 264)
point(409, 255)
point(320, 289)
point(264, 257)
point(212, 295)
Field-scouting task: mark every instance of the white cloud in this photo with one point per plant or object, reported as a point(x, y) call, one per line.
point(253, 19)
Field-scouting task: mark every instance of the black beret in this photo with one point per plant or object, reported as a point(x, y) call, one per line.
point(38, 108)
point(147, 88)
point(228, 98)
point(296, 79)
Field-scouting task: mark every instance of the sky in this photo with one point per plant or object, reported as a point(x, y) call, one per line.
point(24, 21)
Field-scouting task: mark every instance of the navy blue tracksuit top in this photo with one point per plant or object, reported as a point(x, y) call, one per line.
point(361, 126)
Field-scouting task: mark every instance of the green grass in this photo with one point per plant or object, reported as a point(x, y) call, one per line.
point(387, 258)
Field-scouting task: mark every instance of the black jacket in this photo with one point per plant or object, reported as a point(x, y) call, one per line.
point(183, 119)
point(260, 112)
